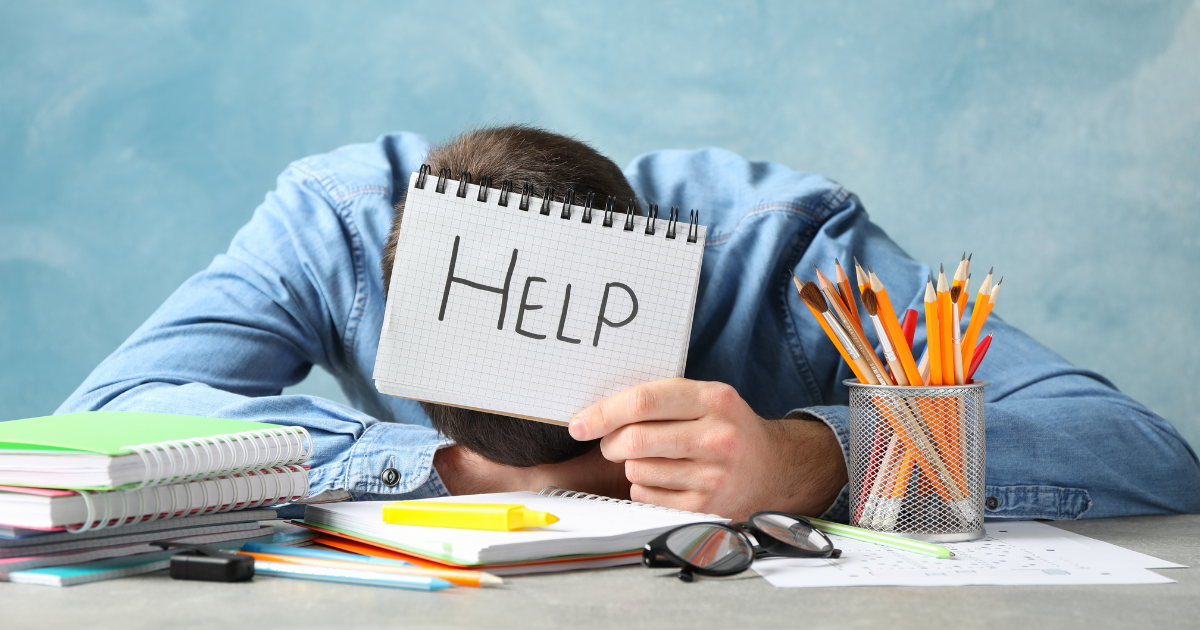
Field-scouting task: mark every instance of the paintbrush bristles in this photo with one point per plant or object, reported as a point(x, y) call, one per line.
point(870, 302)
point(955, 293)
point(813, 297)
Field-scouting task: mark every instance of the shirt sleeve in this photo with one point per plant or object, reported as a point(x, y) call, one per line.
point(283, 298)
point(1062, 442)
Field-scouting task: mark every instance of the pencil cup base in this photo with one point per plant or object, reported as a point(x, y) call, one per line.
point(917, 461)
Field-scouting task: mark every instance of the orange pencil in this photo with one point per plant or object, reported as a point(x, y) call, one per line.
point(864, 281)
point(887, 315)
point(871, 305)
point(978, 315)
point(933, 335)
point(844, 288)
point(460, 577)
point(945, 322)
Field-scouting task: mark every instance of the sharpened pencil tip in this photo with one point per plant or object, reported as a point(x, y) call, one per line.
point(964, 256)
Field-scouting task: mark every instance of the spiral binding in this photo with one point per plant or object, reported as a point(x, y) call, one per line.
point(558, 493)
point(568, 205)
point(100, 513)
point(296, 440)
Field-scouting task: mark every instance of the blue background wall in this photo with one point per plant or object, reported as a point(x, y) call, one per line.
point(1058, 141)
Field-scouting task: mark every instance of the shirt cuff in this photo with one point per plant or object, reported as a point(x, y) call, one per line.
point(394, 462)
point(836, 418)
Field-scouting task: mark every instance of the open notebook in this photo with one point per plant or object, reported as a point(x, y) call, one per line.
point(588, 526)
point(532, 308)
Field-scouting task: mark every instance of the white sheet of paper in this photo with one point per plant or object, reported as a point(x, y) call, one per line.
point(446, 341)
point(1012, 553)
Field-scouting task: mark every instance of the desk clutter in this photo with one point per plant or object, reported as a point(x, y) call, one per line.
point(83, 495)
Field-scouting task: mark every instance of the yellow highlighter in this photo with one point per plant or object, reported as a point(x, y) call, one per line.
point(496, 517)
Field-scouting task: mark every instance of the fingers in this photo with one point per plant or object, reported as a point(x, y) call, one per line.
point(686, 500)
point(673, 474)
point(670, 399)
point(706, 439)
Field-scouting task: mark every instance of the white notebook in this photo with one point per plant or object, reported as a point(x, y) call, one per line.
point(587, 525)
point(48, 508)
point(16, 537)
point(537, 312)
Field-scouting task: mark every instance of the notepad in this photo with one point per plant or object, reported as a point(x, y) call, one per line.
point(109, 449)
point(586, 526)
point(533, 308)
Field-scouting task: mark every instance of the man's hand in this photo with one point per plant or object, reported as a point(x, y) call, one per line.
point(698, 446)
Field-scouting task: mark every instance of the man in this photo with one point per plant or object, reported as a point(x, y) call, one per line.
point(760, 422)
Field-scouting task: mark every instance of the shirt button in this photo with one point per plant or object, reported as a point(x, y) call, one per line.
point(991, 503)
point(390, 477)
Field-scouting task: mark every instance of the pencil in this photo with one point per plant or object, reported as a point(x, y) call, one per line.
point(963, 297)
point(864, 280)
point(871, 304)
point(945, 338)
point(368, 578)
point(887, 315)
point(933, 335)
point(978, 315)
point(460, 577)
point(909, 328)
point(895, 542)
point(843, 283)
point(980, 352)
point(955, 293)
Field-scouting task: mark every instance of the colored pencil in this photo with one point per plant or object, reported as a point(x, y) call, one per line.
point(368, 578)
point(980, 352)
point(460, 577)
point(909, 327)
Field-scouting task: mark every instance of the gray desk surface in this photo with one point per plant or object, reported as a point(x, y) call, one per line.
point(634, 597)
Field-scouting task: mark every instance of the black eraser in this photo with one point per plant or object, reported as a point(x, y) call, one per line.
point(190, 565)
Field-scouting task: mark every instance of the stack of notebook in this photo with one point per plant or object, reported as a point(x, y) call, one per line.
point(97, 488)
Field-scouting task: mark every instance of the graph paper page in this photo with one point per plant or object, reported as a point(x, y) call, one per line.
point(478, 314)
point(1013, 553)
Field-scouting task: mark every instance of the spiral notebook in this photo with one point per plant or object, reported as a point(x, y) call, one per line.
point(588, 525)
point(109, 449)
point(533, 308)
point(48, 508)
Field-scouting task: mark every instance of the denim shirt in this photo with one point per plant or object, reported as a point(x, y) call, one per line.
point(301, 286)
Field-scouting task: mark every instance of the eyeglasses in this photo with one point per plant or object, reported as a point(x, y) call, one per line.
point(717, 550)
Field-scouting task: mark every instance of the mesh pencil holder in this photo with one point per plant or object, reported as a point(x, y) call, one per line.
point(917, 457)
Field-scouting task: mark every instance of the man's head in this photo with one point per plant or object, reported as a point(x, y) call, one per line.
point(522, 154)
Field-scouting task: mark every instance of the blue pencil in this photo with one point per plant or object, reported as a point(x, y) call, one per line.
point(305, 552)
point(368, 578)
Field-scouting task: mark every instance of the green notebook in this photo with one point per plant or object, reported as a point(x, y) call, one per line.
point(110, 449)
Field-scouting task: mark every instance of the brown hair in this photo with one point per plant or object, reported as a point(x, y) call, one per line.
point(520, 153)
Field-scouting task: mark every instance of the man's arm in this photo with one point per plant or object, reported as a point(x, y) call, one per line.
point(287, 295)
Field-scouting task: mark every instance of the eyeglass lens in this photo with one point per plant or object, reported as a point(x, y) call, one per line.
point(791, 531)
point(709, 547)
